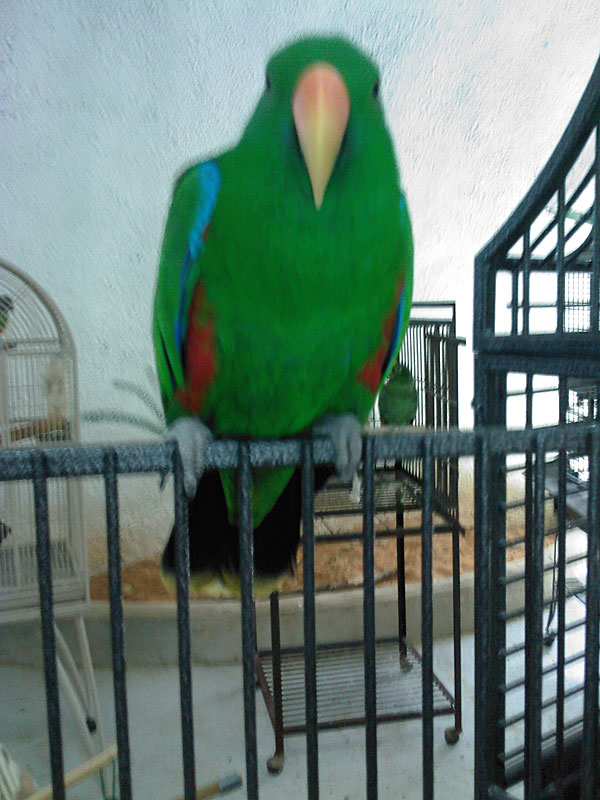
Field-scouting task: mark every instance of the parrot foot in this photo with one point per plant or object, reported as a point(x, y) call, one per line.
point(345, 432)
point(193, 437)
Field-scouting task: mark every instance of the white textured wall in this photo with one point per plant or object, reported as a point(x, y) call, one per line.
point(101, 103)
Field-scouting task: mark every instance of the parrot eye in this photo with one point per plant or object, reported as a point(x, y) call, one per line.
point(376, 90)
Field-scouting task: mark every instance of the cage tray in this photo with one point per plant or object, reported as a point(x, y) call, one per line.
point(340, 685)
point(393, 490)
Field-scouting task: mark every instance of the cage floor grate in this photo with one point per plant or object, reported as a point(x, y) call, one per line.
point(391, 492)
point(340, 685)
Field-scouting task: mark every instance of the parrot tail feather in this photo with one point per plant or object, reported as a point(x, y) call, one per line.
point(214, 541)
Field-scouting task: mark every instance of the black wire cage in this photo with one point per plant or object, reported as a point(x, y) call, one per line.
point(430, 352)
point(537, 362)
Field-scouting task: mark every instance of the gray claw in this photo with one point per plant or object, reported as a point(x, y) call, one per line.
point(345, 432)
point(192, 436)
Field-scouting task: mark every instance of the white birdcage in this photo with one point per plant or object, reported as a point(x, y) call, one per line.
point(39, 408)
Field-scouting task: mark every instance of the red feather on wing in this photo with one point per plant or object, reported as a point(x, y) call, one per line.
point(200, 354)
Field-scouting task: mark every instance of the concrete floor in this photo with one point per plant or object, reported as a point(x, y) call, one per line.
point(153, 701)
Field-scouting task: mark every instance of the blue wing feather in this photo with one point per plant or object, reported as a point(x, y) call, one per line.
point(393, 348)
point(209, 179)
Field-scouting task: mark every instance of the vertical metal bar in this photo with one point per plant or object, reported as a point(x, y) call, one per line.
point(534, 599)
point(276, 665)
point(427, 617)
point(440, 421)
point(116, 622)
point(560, 259)
point(436, 346)
point(429, 381)
point(182, 577)
point(490, 409)
point(401, 580)
point(595, 277)
point(514, 311)
point(44, 569)
point(483, 643)
point(310, 646)
point(452, 350)
point(488, 286)
point(590, 783)
point(498, 415)
point(369, 615)
point(561, 510)
point(420, 371)
point(529, 401)
point(484, 300)
point(248, 619)
point(526, 275)
point(456, 628)
point(530, 518)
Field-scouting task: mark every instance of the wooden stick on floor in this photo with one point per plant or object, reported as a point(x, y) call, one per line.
point(80, 773)
point(225, 783)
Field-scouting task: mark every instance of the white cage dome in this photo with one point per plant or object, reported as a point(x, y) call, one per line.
point(38, 407)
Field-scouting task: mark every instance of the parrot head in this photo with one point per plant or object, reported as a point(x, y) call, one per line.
point(321, 110)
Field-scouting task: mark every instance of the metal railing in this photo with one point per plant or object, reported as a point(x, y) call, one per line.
point(487, 445)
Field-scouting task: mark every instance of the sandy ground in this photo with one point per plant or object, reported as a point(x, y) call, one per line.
point(337, 564)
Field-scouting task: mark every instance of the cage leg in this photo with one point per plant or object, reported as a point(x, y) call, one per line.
point(81, 693)
point(276, 762)
point(93, 721)
point(70, 694)
point(71, 669)
point(452, 734)
point(405, 664)
point(256, 678)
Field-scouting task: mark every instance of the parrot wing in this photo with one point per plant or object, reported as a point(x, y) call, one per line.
point(402, 315)
point(183, 325)
point(375, 371)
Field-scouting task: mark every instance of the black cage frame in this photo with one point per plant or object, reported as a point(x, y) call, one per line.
point(430, 352)
point(542, 347)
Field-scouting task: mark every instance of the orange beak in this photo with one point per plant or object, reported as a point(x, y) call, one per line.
point(321, 106)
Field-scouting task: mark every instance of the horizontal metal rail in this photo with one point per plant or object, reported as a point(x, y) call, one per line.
point(388, 443)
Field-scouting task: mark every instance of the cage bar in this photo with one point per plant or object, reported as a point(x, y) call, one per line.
point(42, 534)
point(369, 619)
point(248, 618)
point(182, 577)
point(427, 618)
point(310, 639)
point(116, 623)
point(589, 750)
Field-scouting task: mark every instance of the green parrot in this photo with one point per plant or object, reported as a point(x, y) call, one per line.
point(283, 294)
point(398, 399)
